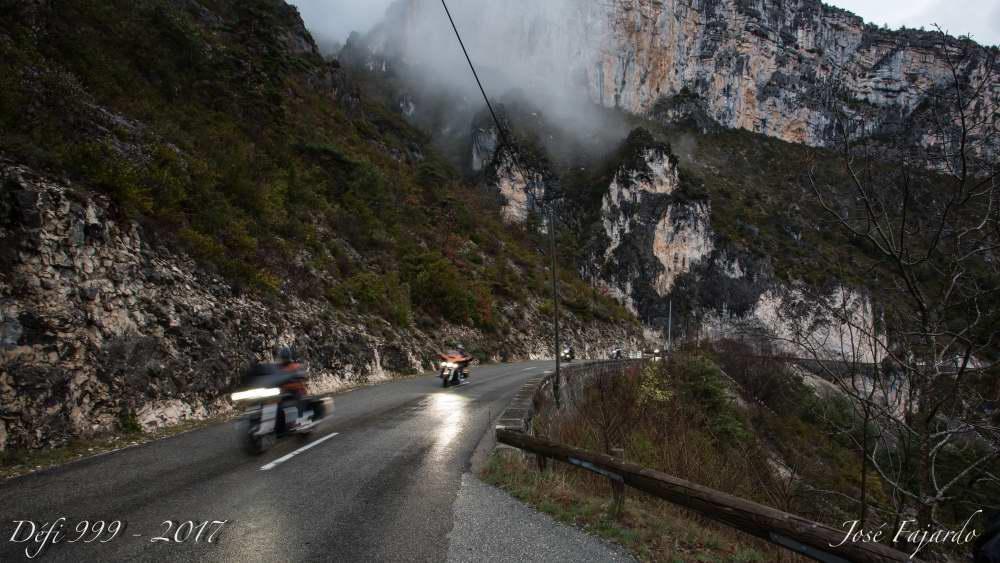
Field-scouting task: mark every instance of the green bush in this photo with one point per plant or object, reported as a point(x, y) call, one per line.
point(114, 174)
point(128, 422)
point(384, 295)
point(441, 290)
point(702, 382)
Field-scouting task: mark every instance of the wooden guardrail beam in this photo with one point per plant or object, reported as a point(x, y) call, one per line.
point(809, 538)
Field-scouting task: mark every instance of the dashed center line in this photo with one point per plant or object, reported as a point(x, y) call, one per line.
point(285, 458)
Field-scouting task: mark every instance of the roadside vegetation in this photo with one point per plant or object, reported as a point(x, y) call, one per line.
point(725, 417)
point(650, 529)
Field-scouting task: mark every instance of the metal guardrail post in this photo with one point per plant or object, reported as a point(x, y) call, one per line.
point(617, 487)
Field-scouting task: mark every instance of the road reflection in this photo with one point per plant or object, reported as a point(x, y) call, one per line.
point(451, 410)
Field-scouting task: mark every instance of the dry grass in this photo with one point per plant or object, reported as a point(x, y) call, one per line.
point(679, 418)
point(651, 529)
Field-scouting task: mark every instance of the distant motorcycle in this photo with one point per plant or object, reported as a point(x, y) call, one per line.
point(273, 411)
point(454, 367)
point(568, 355)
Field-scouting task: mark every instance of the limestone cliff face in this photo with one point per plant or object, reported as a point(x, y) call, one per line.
point(99, 321)
point(649, 236)
point(782, 68)
point(518, 186)
point(656, 246)
point(763, 65)
point(779, 68)
point(518, 176)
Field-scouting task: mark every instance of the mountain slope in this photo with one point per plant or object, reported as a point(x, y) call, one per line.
point(187, 184)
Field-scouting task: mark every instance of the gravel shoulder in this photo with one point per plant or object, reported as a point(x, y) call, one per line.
point(491, 525)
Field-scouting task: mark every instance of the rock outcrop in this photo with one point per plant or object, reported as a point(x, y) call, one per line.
point(781, 69)
point(657, 253)
point(651, 233)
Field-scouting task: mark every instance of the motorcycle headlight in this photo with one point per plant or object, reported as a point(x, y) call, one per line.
point(451, 365)
point(253, 394)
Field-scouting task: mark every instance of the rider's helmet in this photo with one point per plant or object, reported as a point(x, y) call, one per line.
point(284, 355)
point(460, 349)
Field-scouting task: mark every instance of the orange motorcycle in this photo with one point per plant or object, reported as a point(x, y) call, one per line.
point(454, 367)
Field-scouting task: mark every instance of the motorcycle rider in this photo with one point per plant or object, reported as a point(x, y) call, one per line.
point(463, 364)
point(294, 385)
point(570, 352)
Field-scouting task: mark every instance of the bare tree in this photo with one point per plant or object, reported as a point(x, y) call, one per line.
point(922, 204)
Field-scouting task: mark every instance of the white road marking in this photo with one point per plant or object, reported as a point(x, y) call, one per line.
point(527, 369)
point(283, 459)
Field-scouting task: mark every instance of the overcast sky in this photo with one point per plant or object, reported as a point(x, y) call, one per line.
point(977, 18)
point(334, 19)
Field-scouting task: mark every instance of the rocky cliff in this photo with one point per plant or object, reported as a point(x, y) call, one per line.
point(657, 251)
point(650, 234)
point(777, 68)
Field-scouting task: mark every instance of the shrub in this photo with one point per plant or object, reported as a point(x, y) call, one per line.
point(702, 382)
point(128, 422)
point(116, 175)
point(384, 295)
point(440, 289)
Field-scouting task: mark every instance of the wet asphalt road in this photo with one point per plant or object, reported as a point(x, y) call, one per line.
point(381, 489)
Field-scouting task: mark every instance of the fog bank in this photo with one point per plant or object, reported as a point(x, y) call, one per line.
point(537, 53)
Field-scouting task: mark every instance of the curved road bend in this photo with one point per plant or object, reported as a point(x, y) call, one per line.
point(379, 484)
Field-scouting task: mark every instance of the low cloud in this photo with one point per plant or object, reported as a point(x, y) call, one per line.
point(331, 21)
point(527, 50)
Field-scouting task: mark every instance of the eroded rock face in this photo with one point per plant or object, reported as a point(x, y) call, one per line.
point(657, 246)
point(682, 239)
point(651, 232)
point(766, 66)
point(520, 186)
point(99, 322)
point(837, 325)
point(484, 146)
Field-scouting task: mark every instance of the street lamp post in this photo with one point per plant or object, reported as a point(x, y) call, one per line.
point(555, 301)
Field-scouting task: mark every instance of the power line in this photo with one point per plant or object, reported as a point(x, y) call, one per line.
point(552, 227)
point(503, 134)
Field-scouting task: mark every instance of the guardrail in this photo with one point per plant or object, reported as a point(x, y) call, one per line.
point(521, 410)
point(792, 532)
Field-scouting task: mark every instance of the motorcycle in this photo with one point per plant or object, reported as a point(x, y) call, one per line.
point(568, 355)
point(658, 355)
point(453, 369)
point(272, 412)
